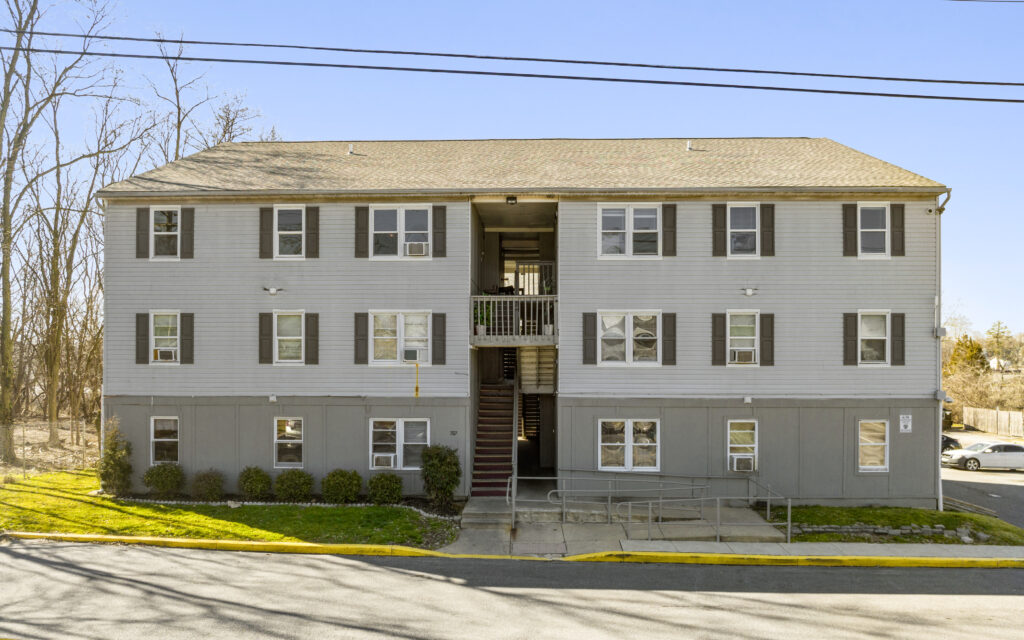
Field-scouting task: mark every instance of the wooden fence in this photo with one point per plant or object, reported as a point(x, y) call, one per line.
point(1004, 423)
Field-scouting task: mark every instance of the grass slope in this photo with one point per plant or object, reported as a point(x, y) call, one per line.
point(59, 502)
point(1001, 532)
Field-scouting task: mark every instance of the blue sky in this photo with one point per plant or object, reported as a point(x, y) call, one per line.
point(974, 148)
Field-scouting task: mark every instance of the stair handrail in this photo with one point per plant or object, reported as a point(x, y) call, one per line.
point(513, 484)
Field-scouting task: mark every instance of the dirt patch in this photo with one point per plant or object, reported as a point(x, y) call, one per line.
point(35, 456)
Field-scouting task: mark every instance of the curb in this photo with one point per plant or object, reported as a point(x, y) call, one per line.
point(637, 557)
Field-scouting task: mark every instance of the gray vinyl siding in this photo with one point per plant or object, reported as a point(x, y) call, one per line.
point(808, 285)
point(223, 287)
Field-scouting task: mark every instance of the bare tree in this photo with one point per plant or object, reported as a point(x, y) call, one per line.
point(232, 121)
point(178, 132)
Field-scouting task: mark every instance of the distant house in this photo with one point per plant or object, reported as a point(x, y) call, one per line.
point(727, 308)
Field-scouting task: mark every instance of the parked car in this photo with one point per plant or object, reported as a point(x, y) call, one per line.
point(990, 455)
point(949, 443)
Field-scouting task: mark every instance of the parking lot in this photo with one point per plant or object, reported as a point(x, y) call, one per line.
point(997, 489)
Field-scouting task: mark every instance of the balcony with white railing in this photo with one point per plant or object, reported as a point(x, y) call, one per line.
point(514, 320)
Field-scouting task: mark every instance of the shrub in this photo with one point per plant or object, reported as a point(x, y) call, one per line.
point(340, 486)
point(385, 488)
point(254, 484)
point(441, 474)
point(294, 485)
point(115, 468)
point(166, 479)
point(208, 485)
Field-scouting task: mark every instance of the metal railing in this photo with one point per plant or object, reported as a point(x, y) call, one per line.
point(514, 320)
point(534, 277)
point(697, 504)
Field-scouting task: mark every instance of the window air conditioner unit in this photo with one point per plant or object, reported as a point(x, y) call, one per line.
point(741, 462)
point(384, 460)
point(416, 248)
point(411, 355)
point(165, 355)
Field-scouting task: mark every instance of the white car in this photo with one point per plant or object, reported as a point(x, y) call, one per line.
point(990, 455)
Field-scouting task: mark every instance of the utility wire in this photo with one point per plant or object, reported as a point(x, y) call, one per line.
point(510, 74)
point(472, 56)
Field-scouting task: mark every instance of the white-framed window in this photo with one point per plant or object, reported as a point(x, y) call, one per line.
point(873, 229)
point(629, 231)
point(628, 445)
point(164, 337)
point(873, 337)
point(741, 447)
point(289, 231)
point(163, 437)
point(743, 220)
point(873, 445)
point(398, 443)
point(629, 338)
point(165, 232)
point(744, 336)
point(287, 443)
point(400, 231)
point(289, 337)
point(400, 337)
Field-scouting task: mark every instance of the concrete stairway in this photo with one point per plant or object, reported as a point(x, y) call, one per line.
point(492, 459)
point(487, 513)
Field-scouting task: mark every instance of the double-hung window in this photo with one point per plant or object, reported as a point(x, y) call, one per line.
point(873, 337)
point(873, 445)
point(398, 443)
point(873, 229)
point(165, 239)
point(163, 432)
point(289, 230)
point(629, 337)
point(400, 337)
point(630, 230)
point(743, 222)
point(743, 337)
point(742, 446)
point(165, 334)
point(289, 337)
point(628, 445)
point(401, 231)
point(287, 443)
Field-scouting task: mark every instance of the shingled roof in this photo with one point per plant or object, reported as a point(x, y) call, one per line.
point(509, 166)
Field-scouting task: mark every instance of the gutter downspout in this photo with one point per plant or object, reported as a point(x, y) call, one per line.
point(938, 323)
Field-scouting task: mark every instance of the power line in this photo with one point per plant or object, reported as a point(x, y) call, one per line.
point(473, 56)
point(510, 74)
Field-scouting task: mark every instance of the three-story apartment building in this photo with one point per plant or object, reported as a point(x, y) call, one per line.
point(708, 307)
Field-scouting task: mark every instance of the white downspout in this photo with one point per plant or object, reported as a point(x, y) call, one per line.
point(938, 323)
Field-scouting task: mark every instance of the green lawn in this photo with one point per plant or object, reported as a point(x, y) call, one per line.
point(1001, 532)
point(59, 502)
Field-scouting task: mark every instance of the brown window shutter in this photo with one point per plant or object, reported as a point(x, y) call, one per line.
point(142, 233)
point(266, 232)
point(850, 339)
point(363, 233)
point(187, 338)
point(362, 338)
point(850, 230)
point(668, 338)
point(718, 230)
point(312, 232)
point(188, 232)
point(899, 338)
point(768, 230)
point(718, 339)
point(668, 229)
point(899, 233)
point(266, 338)
point(589, 338)
point(440, 239)
point(767, 347)
point(438, 339)
point(312, 339)
point(142, 338)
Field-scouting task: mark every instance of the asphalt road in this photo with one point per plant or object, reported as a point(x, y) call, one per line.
point(59, 590)
point(998, 489)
